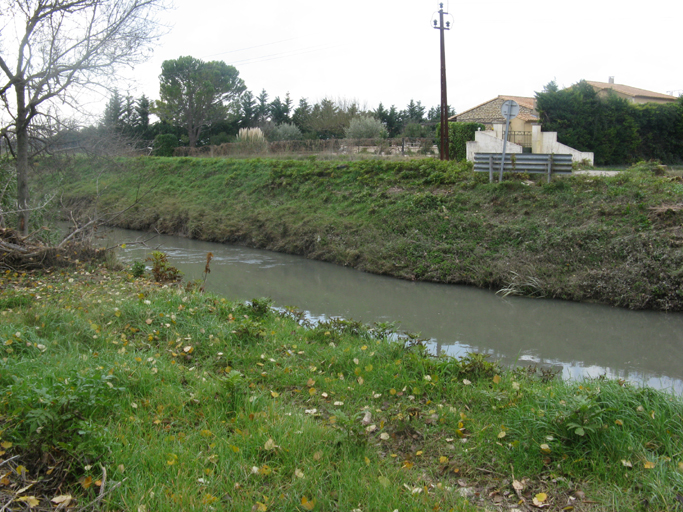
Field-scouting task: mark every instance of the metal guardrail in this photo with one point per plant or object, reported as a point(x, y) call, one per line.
point(523, 162)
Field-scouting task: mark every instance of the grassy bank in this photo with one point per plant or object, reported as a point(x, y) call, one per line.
point(121, 394)
point(614, 240)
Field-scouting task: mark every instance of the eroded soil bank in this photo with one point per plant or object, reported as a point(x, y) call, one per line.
point(615, 240)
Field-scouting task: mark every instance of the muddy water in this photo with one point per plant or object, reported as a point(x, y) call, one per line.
point(584, 339)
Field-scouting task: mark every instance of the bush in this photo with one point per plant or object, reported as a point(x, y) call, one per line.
point(458, 136)
point(416, 131)
point(285, 131)
point(252, 140)
point(366, 127)
point(164, 144)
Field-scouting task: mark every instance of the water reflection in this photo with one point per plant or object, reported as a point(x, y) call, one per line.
point(585, 339)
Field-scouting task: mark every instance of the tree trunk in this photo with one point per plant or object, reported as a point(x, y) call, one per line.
point(22, 160)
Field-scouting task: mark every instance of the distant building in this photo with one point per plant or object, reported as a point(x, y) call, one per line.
point(489, 113)
point(632, 94)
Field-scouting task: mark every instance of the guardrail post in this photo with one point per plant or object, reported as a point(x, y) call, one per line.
point(550, 166)
point(490, 168)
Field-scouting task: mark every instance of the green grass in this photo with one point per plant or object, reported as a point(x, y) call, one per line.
point(615, 240)
point(186, 401)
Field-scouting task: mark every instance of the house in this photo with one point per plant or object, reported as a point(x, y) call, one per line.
point(632, 94)
point(524, 135)
point(488, 113)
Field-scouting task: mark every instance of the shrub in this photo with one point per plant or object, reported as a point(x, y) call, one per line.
point(164, 144)
point(416, 131)
point(252, 140)
point(285, 131)
point(366, 127)
point(458, 136)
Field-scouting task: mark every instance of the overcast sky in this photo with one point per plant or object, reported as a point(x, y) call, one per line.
point(377, 51)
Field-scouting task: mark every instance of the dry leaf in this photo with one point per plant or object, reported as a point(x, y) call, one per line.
point(619, 422)
point(317, 456)
point(501, 434)
point(32, 501)
point(298, 473)
point(259, 507)
point(310, 383)
point(443, 460)
point(270, 445)
point(539, 500)
point(648, 464)
point(274, 394)
point(545, 448)
point(517, 485)
point(626, 463)
point(86, 482)
point(307, 504)
point(384, 436)
point(496, 379)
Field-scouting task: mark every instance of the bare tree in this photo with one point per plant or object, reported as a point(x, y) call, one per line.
point(52, 49)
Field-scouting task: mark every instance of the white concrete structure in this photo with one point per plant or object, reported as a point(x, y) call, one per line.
point(491, 141)
point(487, 142)
point(546, 142)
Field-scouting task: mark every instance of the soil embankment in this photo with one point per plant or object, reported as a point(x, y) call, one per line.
point(610, 239)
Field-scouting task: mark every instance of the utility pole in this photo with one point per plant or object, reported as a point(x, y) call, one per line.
point(444, 153)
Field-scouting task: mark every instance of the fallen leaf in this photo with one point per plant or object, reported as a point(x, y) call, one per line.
point(317, 455)
point(648, 464)
point(545, 448)
point(384, 436)
point(626, 463)
point(274, 394)
point(496, 379)
point(310, 383)
point(517, 485)
point(539, 500)
point(298, 473)
point(32, 501)
point(87, 482)
point(259, 507)
point(501, 434)
point(307, 504)
point(466, 382)
point(619, 422)
point(443, 460)
point(6, 445)
point(270, 445)
point(384, 481)
point(64, 498)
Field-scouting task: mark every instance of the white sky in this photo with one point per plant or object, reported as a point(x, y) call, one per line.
point(378, 50)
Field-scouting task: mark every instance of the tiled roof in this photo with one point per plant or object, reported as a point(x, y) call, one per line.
point(631, 91)
point(523, 101)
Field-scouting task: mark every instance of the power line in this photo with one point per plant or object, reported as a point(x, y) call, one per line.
point(293, 53)
point(252, 47)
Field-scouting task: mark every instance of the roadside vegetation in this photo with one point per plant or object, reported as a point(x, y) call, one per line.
point(615, 240)
point(121, 393)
